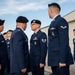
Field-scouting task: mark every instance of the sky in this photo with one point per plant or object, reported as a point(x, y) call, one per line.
point(32, 9)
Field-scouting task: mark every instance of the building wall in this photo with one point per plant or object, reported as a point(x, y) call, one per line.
point(71, 27)
point(70, 17)
point(45, 29)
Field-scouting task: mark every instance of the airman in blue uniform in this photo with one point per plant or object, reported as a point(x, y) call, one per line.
point(59, 52)
point(38, 49)
point(9, 33)
point(3, 51)
point(74, 43)
point(5, 35)
point(19, 48)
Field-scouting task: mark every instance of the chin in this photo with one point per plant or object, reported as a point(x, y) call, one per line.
point(1, 30)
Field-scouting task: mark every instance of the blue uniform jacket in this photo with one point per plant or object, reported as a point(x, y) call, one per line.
point(58, 43)
point(38, 48)
point(74, 47)
point(8, 47)
point(74, 43)
point(18, 51)
point(3, 52)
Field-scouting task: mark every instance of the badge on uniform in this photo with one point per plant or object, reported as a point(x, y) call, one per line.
point(35, 38)
point(34, 43)
point(52, 28)
point(2, 41)
point(53, 33)
point(8, 42)
point(8, 45)
point(34, 21)
point(44, 40)
point(63, 27)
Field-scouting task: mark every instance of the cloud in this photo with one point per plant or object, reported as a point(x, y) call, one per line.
point(16, 6)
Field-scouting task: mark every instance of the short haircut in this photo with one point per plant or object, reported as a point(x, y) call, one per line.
point(55, 5)
point(4, 33)
point(9, 31)
point(73, 29)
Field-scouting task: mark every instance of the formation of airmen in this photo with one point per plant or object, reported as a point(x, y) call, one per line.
point(17, 59)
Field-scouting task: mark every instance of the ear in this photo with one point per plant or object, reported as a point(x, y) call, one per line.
point(51, 10)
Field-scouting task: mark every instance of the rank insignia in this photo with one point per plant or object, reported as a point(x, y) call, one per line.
point(2, 41)
point(63, 27)
point(44, 40)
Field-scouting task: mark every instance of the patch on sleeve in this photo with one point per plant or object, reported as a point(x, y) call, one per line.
point(2, 41)
point(44, 40)
point(63, 27)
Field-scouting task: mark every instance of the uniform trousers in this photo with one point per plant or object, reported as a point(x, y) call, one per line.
point(37, 71)
point(18, 74)
point(60, 71)
point(3, 71)
point(74, 55)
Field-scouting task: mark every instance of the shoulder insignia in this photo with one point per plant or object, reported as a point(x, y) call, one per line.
point(63, 27)
point(44, 40)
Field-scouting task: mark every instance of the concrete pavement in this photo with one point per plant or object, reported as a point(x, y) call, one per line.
point(48, 70)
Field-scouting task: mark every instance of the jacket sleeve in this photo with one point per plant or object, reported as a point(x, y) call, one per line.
point(3, 54)
point(43, 43)
point(19, 51)
point(63, 40)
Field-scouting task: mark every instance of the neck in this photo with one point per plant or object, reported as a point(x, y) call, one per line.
point(37, 30)
point(20, 28)
point(54, 15)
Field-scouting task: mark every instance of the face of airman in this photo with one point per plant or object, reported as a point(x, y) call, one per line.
point(22, 25)
point(9, 34)
point(34, 26)
point(1, 28)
